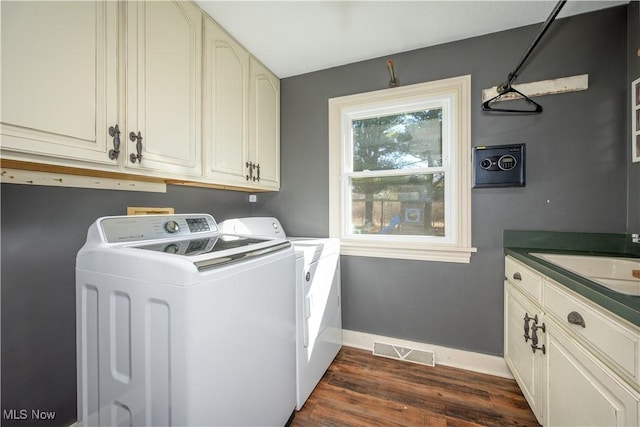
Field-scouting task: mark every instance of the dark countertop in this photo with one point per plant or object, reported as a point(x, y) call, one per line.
point(520, 245)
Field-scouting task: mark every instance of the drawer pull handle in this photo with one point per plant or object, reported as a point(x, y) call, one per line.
point(576, 319)
point(517, 276)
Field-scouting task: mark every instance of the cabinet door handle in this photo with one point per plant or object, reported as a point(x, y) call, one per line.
point(526, 327)
point(517, 276)
point(138, 141)
point(114, 131)
point(258, 167)
point(536, 327)
point(249, 165)
point(575, 318)
point(534, 340)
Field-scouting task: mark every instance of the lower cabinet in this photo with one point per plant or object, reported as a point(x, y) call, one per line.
point(559, 360)
point(582, 391)
point(525, 364)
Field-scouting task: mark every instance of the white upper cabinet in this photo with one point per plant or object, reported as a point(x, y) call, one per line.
point(225, 107)
point(264, 126)
point(59, 80)
point(121, 86)
point(241, 123)
point(163, 63)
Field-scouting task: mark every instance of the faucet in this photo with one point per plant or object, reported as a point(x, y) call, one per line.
point(635, 238)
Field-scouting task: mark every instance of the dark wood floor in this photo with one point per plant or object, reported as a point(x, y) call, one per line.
point(360, 389)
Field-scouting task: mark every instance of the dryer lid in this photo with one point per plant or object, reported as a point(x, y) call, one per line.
point(254, 226)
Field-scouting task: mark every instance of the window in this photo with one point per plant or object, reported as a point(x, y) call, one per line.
point(400, 172)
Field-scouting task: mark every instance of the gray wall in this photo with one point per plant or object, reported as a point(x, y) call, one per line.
point(633, 73)
point(576, 172)
point(42, 230)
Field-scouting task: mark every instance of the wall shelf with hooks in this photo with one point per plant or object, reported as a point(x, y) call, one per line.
point(541, 88)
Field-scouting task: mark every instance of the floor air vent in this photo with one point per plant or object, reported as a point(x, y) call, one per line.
point(423, 357)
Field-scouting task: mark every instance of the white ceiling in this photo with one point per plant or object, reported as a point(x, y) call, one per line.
point(297, 37)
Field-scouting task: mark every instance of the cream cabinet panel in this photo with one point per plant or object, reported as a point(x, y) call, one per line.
point(59, 81)
point(163, 71)
point(583, 371)
point(582, 391)
point(616, 343)
point(526, 279)
point(264, 126)
point(225, 107)
point(520, 317)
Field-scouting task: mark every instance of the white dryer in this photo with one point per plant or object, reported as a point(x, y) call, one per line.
point(179, 324)
point(318, 305)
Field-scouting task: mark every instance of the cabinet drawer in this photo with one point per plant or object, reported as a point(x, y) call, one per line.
point(524, 278)
point(607, 335)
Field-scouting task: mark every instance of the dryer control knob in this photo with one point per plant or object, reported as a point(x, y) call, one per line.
point(171, 227)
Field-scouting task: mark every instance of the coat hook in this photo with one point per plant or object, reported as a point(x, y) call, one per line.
point(392, 75)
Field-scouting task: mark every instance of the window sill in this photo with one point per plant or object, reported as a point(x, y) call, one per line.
point(440, 253)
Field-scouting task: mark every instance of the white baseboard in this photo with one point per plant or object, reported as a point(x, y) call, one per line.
point(462, 359)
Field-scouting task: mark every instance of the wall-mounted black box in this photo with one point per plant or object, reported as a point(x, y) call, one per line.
point(499, 166)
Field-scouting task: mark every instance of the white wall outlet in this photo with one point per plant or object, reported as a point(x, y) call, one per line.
point(253, 198)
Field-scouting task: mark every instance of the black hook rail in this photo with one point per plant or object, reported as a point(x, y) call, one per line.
point(505, 87)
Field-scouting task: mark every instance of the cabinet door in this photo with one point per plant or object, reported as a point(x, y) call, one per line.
point(163, 52)
point(525, 364)
point(59, 80)
point(264, 125)
point(581, 390)
point(226, 107)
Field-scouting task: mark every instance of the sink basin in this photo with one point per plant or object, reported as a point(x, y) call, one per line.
point(613, 273)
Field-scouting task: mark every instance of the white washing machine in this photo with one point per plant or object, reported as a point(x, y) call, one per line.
point(318, 305)
point(179, 324)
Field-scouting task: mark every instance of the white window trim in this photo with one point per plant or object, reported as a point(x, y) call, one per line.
point(455, 249)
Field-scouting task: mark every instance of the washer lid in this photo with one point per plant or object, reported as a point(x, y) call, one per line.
point(218, 250)
point(204, 245)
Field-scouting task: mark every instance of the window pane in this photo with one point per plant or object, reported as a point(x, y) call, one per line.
point(410, 205)
point(400, 141)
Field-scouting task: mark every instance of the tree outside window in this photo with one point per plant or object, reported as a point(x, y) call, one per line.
point(410, 203)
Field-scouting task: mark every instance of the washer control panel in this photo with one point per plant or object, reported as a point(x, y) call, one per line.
point(151, 227)
point(499, 166)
